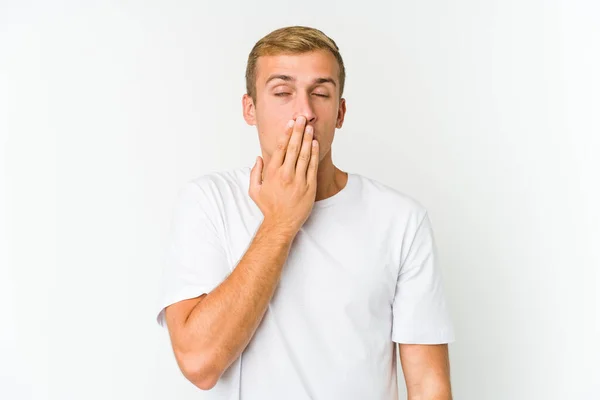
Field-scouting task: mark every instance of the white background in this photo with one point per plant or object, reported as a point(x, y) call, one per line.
point(486, 112)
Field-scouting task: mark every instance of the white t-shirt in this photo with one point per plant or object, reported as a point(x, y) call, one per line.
point(361, 274)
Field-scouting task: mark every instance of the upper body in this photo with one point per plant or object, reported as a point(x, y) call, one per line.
point(294, 279)
point(361, 275)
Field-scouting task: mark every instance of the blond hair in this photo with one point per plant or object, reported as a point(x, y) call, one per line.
point(291, 40)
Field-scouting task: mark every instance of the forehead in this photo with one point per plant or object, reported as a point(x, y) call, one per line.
point(304, 66)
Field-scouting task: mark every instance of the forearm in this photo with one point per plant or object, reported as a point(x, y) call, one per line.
point(222, 323)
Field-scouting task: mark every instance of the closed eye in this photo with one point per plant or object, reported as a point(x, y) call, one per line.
point(287, 94)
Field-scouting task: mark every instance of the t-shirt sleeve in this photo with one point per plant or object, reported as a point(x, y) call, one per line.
point(195, 260)
point(420, 314)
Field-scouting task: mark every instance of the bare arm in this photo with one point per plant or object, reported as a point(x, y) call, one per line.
point(208, 333)
point(426, 371)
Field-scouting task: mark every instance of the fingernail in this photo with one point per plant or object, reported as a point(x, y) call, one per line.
point(309, 129)
point(290, 123)
point(300, 119)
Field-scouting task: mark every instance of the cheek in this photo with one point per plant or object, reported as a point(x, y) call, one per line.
point(273, 118)
point(271, 127)
point(273, 113)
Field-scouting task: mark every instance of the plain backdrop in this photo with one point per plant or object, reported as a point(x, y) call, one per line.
point(484, 111)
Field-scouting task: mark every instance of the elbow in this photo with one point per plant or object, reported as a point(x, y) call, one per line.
point(205, 381)
point(431, 394)
point(202, 371)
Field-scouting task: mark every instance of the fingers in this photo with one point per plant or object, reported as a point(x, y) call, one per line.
point(256, 174)
point(311, 173)
point(305, 152)
point(279, 154)
point(293, 148)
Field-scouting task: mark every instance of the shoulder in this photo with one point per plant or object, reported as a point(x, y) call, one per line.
point(217, 185)
point(393, 202)
point(209, 192)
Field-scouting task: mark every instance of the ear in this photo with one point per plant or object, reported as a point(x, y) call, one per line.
point(248, 109)
point(341, 113)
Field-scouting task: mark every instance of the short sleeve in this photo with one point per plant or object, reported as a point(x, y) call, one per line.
point(195, 260)
point(420, 314)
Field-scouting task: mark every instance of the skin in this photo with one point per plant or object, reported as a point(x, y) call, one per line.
point(279, 100)
point(297, 103)
point(426, 371)
point(210, 331)
point(426, 367)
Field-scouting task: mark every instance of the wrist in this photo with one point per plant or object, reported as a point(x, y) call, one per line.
point(277, 229)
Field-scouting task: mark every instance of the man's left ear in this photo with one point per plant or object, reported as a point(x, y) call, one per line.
point(341, 113)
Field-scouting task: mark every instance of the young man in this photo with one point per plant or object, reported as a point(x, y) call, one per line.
point(294, 279)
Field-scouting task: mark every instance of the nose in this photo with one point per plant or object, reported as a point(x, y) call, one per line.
point(304, 107)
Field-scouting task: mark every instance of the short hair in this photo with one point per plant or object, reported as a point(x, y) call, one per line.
point(291, 40)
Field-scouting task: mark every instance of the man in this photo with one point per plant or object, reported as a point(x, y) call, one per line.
point(294, 279)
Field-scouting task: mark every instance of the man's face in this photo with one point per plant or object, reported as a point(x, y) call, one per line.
point(288, 86)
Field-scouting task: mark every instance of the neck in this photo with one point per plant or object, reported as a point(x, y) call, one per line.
point(330, 179)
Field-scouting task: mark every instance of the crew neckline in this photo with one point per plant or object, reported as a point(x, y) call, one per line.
point(340, 196)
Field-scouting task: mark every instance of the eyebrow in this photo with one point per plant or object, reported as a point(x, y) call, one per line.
point(288, 78)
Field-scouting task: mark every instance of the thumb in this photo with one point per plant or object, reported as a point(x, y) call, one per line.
point(256, 173)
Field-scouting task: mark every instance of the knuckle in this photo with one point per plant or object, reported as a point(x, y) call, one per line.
point(304, 157)
point(286, 177)
point(281, 146)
